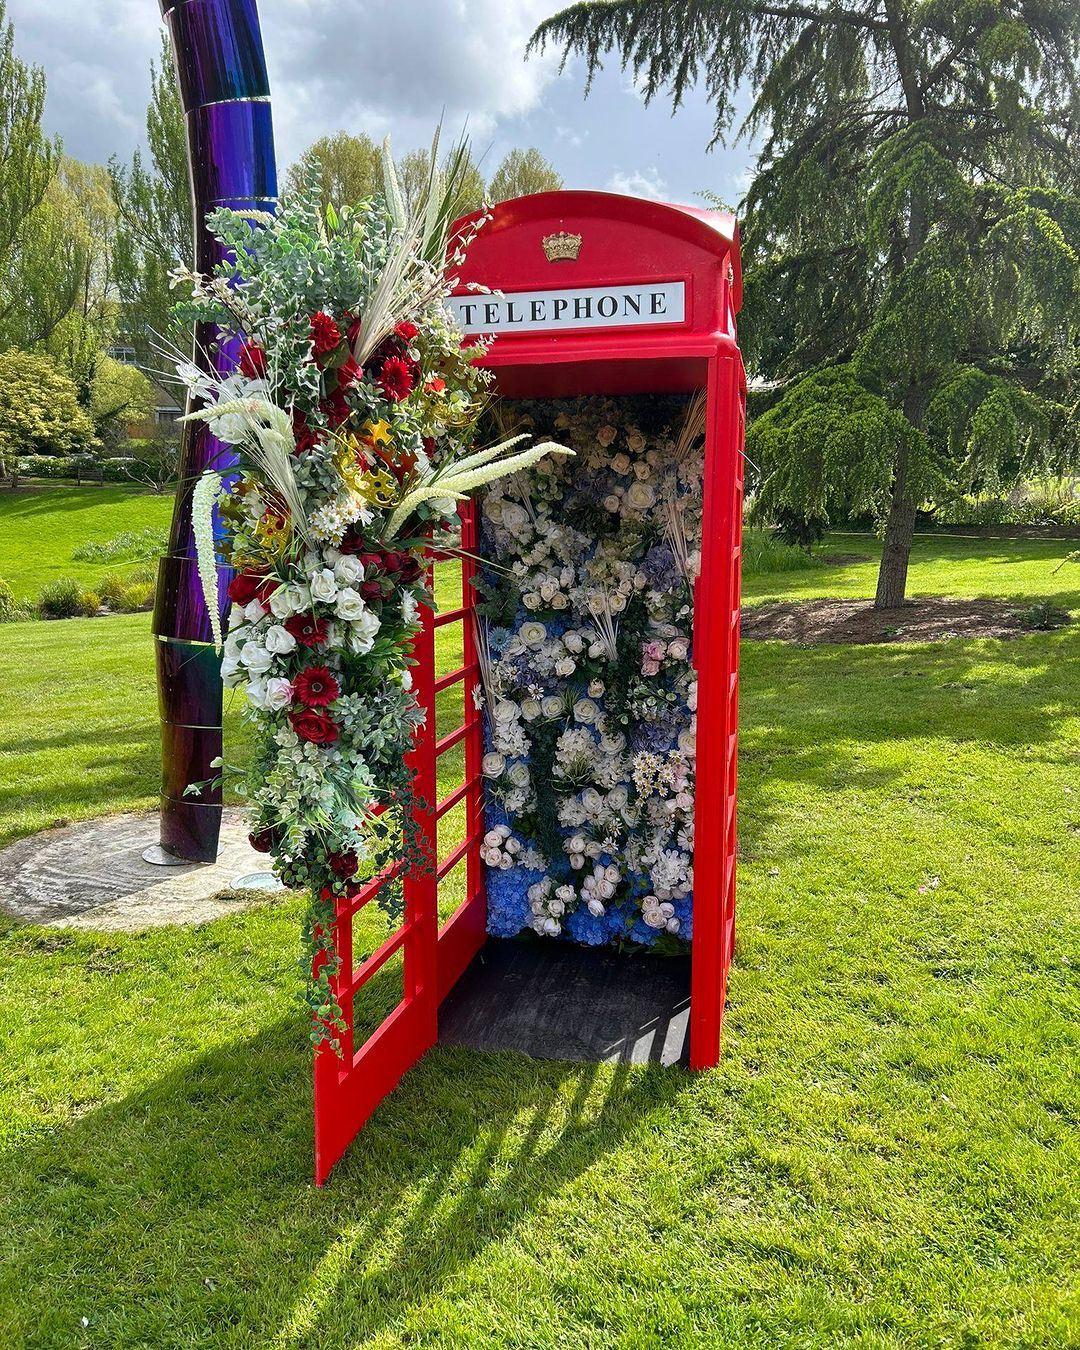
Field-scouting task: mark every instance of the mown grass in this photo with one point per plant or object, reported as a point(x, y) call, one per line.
point(40, 528)
point(886, 1157)
point(940, 565)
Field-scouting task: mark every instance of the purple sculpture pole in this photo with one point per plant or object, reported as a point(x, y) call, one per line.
point(226, 98)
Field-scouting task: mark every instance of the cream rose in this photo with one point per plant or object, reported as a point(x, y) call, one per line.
point(323, 586)
point(493, 764)
point(640, 496)
point(279, 641)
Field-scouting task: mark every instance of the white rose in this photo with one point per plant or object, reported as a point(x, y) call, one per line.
point(654, 919)
point(596, 909)
point(323, 586)
point(519, 774)
point(577, 860)
point(348, 570)
point(231, 670)
point(687, 742)
point(586, 711)
point(576, 844)
point(363, 632)
point(493, 509)
point(514, 517)
point(253, 611)
point(493, 764)
point(547, 591)
point(565, 893)
point(291, 599)
point(234, 640)
point(565, 666)
point(256, 694)
point(256, 658)
point(640, 496)
point(279, 641)
point(573, 642)
point(596, 688)
point(605, 890)
point(279, 694)
point(678, 650)
point(617, 602)
point(617, 797)
point(349, 605)
point(621, 462)
point(493, 839)
point(531, 709)
point(236, 616)
point(551, 927)
point(593, 849)
point(532, 633)
point(611, 503)
point(551, 705)
point(642, 470)
point(673, 925)
point(591, 800)
point(556, 907)
point(531, 600)
point(559, 601)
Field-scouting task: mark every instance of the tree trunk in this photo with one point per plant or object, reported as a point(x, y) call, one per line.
point(899, 536)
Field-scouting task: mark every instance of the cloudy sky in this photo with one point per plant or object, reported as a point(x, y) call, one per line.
point(389, 66)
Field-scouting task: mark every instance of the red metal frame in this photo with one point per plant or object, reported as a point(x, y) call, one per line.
point(623, 238)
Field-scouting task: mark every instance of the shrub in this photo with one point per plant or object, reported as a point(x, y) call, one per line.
point(126, 594)
point(91, 602)
point(39, 410)
point(764, 552)
point(146, 543)
point(11, 610)
point(61, 599)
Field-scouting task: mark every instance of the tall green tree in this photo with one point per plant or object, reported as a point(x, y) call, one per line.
point(912, 232)
point(350, 167)
point(154, 229)
point(522, 173)
point(414, 169)
point(28, 162)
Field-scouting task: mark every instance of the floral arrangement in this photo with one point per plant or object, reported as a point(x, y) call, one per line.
point(586, 647)
point(352, 408)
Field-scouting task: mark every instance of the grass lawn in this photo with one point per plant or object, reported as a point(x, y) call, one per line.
point(886, 1158)
point(41, 527)
point(940, 565)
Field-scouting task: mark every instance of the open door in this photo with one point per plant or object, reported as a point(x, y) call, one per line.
point(446, 764)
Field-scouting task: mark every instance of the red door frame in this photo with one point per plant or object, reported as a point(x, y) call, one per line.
point(349, 1086)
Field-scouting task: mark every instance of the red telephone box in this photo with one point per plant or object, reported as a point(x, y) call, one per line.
point(585, 293)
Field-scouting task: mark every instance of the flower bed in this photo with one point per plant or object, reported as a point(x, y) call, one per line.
point(586, 641)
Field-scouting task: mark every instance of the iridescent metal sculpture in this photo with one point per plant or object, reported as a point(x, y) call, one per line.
point(226, 98)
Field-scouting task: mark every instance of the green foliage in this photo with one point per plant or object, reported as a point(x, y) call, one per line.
point(763, 553)
point(62, 599)
point(154, 232)
point(521, 173)
point(12, 610)
point(911, 233)
point(27, 164)
point(129, 544)
point(349, 169)
point(39, 409)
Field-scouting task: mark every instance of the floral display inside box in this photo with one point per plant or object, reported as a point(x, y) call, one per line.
point(586, 635)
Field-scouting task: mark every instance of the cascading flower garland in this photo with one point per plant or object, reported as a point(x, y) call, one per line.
point(352, 409)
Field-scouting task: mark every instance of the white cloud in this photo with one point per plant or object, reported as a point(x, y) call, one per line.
point(639, 183)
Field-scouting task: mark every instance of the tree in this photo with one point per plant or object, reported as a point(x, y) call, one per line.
point(521, 173)
point(119, 394)
point(912, 267)
point(40, 413)
point(350, 167)
point(415, 167)
point(154, 230)
point(27, 165)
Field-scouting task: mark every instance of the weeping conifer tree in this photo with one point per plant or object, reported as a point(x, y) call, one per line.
point(912, 234)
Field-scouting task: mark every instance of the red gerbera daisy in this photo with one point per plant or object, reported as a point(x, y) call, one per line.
point(406, 331)
point(308, 630)
point(349, 374)
point(315, 687)
point(396, 379)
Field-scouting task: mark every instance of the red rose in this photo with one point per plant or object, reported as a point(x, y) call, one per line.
point(252, 361)
point(396, 379)
point(371, 559)
point(406, 331)
point(307, 629)
point(411, 570)
point(266, 590)
point(315, 687)
point(325, 334)
point(371, 591)
point(392, 562)
point(344, 864)
point(349, 374)
point(245, 587)
point(314, 727)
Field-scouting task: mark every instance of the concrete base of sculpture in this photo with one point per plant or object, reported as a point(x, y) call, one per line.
point(92, 875)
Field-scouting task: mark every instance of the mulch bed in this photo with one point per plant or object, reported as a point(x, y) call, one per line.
point(932, 620)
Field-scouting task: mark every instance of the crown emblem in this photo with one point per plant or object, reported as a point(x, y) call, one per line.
point(562, 247)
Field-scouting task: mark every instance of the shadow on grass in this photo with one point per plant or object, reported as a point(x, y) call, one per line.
point(185, 1214)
